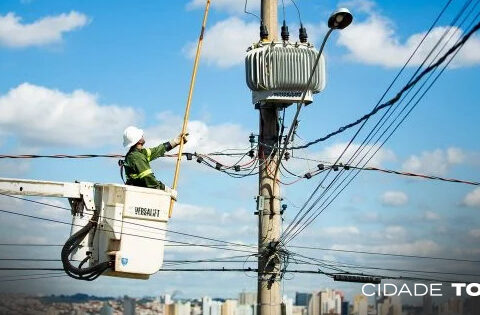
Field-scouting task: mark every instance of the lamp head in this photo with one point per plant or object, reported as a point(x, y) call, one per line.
point(340, 19)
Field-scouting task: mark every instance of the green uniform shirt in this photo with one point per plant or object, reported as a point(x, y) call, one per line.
point(137, 166)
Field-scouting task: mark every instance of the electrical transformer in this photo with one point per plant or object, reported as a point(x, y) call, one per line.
point(278, 72)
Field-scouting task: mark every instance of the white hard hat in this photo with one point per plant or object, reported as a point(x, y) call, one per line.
point(131, 136)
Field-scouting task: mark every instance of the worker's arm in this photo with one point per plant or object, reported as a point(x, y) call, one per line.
point(158, 151)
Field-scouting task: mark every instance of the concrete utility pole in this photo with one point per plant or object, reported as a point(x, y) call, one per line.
point(269, 217)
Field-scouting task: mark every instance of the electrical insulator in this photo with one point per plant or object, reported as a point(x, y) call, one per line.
point(285, 34)
point(218, 166)
point(189, 156)
point(287, 156)
point(308, 176)
point(251, 139)
point(346, 167)
point(199, 159)
point(251, 153)
point(302, 34)
point(237, 168)
point(321, 167)
point(335, 168)
point(284, 208)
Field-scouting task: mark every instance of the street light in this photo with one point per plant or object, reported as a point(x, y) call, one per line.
point(339, 20)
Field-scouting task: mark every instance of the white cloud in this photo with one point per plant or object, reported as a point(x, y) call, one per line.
point(230, 6)
point(394, 198)
point(472, 199)
point(375, 41)
point(236, 225)
point(419, 247)
point(225, 42)
point(435, 162)
point(332, 152)
point(338, 231)
point(39, 116)
point(475, 233)
point(395, 232)
point(204, 138)
point(44, 31)
point(431, 216)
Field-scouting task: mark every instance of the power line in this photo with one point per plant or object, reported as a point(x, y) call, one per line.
point(39, 245)
point(389, 103)
point(35, 278)
point(443, 58)
point(135, 224)
point(384, 254)
point(91, 156)
point(32, 275)
point(140, 236)
point(346, 265)
point(453, 49)
point(388, 171)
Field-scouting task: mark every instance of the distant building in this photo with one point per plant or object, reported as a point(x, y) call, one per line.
point(299, 310)
point(471, 306)
point(302, 299)
point(287, 306)
point(345, 307)
point(216, 308)
point(211, 307)
point(247, 298)
point(128, 306)
point(106, 309)
point(229, 307)
point(166, 299)
point(206, 305)
point(360, 305)
point(325, 302)
point(452, 306)
point(427, 305)
point(244, 309)
point(389, 305)
point(178, 309)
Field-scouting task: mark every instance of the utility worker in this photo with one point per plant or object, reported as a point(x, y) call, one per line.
point(137, 161)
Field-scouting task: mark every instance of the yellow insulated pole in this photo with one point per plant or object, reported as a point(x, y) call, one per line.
point(189, 102)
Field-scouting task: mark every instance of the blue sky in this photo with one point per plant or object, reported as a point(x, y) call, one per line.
point(75, 74)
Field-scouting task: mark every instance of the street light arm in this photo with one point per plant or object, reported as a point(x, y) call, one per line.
point(299, 105)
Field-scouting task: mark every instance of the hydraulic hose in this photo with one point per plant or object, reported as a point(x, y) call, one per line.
point(79, 273)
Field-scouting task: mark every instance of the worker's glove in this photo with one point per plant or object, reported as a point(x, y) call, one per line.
point(173, 193)
point(175, 142)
